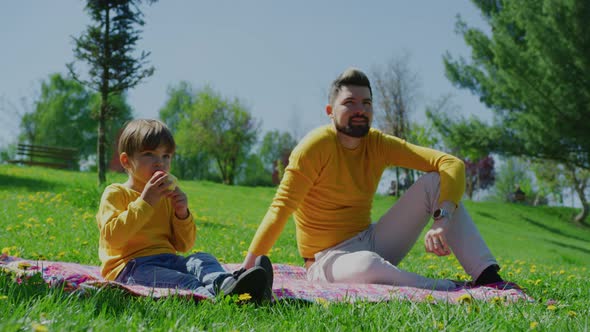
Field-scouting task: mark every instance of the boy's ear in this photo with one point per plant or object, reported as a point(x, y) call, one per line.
point(124, 160)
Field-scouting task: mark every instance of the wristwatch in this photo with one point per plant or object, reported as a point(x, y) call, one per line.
point(440, 213)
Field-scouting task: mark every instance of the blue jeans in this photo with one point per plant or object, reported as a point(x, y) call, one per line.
point(200, 272)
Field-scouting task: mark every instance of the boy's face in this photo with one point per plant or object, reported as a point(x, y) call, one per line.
point(142, 165)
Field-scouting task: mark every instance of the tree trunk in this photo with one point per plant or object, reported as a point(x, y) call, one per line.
point(100, 149)
point(580, 218)
point(104, 105)
point(580, 187)
point(397, 192)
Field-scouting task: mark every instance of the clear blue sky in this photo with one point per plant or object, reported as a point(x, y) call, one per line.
point(278, 57)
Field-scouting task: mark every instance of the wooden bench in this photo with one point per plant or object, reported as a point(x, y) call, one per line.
point(49, 156)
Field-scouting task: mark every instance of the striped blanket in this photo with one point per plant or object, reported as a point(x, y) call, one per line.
point(289, 283)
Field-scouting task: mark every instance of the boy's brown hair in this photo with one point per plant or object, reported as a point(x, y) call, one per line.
point(351, 76)
point(145, 134)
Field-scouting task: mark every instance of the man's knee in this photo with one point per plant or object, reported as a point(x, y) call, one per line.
point(368, 267)
point(431, 178)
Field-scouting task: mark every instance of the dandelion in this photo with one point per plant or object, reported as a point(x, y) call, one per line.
point(244, 297)
point(572, 314)
point(534, 325)
point(39, 327)
point(6, 251)
point(561, 271)
point(497, 300)
point(24, 265)
point(322, 301)
point(466, 298)
point(429, 298)
point(551, 307)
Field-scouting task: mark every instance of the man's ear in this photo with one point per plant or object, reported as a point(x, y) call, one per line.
point(329, 110)
point(124, 160)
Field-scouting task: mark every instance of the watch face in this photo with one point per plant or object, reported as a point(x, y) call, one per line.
point(436, 213)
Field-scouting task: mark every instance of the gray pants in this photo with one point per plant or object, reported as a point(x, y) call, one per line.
point(372, 255)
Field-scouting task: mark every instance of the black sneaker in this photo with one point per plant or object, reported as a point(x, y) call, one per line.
point(489, 276)
point(264, 262)
point(252, 281)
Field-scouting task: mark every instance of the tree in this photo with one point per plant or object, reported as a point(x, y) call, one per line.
point(222, 128)
point(395, 87)
point(472, 141)
point(108, 48)
point(512, 174)
point(188, 163)
point(274, 152)
point(62, 116)
point(533, 71)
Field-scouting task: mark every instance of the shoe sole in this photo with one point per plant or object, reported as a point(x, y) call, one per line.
point(253, 282)
point(264, 262)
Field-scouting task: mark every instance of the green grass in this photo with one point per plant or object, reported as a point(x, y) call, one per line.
point(49, 214)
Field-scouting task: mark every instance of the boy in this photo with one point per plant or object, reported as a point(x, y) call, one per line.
point(145, 221)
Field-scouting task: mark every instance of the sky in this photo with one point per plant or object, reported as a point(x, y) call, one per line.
point(277, 57)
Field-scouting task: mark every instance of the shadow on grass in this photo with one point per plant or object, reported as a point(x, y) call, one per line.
point(14, 182)
point(553, 230)
point(486, 215)
point(569, 246)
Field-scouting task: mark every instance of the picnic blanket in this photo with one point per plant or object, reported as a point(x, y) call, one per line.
point(289, 283)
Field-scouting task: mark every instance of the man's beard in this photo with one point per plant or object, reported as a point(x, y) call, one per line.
point(354, 130)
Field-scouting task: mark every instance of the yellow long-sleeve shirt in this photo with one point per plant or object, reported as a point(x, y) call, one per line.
point(330, 188)
point(130, 228)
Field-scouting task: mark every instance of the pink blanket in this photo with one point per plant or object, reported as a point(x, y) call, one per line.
point(289, 283)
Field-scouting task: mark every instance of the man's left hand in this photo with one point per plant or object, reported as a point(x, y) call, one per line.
point(435, 240)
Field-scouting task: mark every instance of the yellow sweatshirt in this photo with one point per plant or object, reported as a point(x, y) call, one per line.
point(130, 228)
point(330, 188)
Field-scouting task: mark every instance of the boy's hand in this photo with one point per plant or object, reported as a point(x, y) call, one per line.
point(180, 203)
point(155, 188)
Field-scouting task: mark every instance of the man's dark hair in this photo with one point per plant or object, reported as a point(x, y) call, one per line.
point(351, 76)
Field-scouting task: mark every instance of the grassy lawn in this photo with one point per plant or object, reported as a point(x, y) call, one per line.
point(49, 215)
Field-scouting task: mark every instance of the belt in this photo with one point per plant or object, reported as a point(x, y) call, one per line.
point(308, 262)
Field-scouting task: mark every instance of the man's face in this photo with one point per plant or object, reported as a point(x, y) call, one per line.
point(352, 111)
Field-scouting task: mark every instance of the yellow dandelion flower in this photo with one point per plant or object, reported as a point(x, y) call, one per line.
point(430, 298)
point(432, 267)
point(551, 307)
point(6, 251)
point(497, 300)
point(49, 220)
point(39, 327)
point(9, 228)
point(466, 298)
point(322, 301)
point(534, 325)
point(440, 326)
point(244, 297)
point(24, 265)
point(537, 282)
point(561, 271)
point(572, 313)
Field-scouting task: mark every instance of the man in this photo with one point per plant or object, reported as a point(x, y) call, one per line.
point(329, 185)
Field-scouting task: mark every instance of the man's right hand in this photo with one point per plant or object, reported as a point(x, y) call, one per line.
point(249, 261)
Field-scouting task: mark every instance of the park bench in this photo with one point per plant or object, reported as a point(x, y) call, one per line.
point(48, 156)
